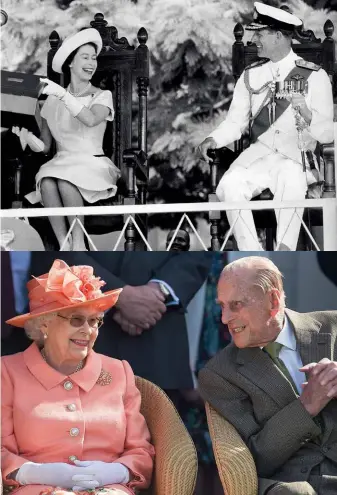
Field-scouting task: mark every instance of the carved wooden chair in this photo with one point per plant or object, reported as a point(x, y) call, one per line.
point(314, 50)
point(124, 70)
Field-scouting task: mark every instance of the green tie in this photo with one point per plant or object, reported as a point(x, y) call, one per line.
point(274, 349)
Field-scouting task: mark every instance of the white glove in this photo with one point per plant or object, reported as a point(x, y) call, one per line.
point(54, 474)
point(51, 88)
point(27, 137)
point(106, 473)
point(74, 106)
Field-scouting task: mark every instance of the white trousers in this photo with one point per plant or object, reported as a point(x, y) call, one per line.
point(286, 180)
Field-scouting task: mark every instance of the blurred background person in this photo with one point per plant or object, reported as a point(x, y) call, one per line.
point(15, 273)
point(204, 315)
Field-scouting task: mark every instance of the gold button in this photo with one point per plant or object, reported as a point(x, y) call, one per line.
point(68, 385)
point(74, 432)
point(72, 458)
point(71, 407)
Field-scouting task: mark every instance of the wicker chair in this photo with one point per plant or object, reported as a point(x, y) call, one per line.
point(234, 461)
point(176, 463)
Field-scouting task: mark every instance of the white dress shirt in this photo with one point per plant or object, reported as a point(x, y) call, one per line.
point(290, 355)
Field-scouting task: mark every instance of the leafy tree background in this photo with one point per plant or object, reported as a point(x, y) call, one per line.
point(191, 82)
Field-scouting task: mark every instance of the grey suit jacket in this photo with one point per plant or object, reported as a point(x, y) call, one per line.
point(246, 387)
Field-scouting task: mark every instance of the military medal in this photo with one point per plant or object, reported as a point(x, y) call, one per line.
point(286, 89)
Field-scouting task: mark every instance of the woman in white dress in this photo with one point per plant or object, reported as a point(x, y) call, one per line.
point(76, 118)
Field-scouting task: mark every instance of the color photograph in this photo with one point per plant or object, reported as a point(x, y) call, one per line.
point(161, 373)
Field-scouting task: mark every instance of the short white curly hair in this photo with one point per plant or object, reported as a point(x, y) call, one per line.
point(33, 327)
point(267, 276)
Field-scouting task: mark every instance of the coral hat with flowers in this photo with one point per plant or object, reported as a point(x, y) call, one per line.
point(65, 287)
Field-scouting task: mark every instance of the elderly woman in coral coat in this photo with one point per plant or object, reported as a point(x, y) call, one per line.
point(71, 418)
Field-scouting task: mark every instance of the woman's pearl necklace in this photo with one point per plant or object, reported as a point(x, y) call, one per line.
point(81, 92)
point(78, 367)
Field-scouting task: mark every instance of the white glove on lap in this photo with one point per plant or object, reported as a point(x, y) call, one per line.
point(74, 106)
point(105, 473)
point(27, 137)
point(54, 474)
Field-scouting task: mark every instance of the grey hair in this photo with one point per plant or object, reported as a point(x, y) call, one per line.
point(33, 327)
point(267, 276)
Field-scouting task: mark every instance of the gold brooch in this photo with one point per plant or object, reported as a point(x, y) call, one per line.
point(104, 378)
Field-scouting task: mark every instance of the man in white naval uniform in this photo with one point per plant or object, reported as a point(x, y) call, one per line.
point(273, 160)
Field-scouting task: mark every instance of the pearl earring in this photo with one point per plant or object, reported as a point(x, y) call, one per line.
point(45, 336)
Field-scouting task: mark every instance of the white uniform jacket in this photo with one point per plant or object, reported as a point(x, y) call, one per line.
point(281, 137)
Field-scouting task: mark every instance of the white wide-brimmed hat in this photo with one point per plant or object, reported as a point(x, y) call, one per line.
point(73, 42)
point(273, 18)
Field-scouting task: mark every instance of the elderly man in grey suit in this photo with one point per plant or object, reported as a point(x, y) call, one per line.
point(277, 381)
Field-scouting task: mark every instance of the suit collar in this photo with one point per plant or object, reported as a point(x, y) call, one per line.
point(50, 378)
point(313, 343)
point(257, 366)
point(286, 337)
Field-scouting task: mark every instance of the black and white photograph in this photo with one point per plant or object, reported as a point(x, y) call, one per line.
point(151, 125)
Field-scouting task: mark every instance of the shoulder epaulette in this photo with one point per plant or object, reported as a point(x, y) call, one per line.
point(307, 65)
point(259, 62)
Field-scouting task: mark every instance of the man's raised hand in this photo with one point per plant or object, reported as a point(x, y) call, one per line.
point(321, 386)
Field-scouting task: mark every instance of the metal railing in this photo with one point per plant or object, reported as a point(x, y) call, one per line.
point(328, 206)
